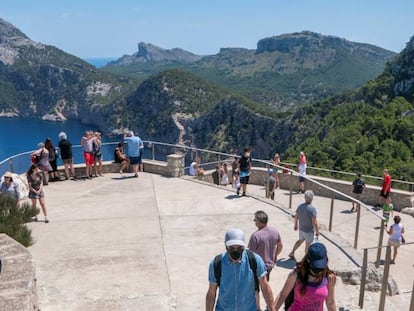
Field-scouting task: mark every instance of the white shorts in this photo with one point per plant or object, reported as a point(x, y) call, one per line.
point(307, 236)
point(395, 243)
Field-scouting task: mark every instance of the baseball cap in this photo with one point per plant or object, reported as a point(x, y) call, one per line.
point(317, 256)
point(234, 236)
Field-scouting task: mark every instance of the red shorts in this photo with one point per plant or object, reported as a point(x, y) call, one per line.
point(89, 158)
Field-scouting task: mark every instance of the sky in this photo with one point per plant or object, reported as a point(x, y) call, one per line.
point(107, 28)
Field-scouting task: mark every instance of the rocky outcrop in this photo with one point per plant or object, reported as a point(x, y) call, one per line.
point(149, 52)
point(402, 70)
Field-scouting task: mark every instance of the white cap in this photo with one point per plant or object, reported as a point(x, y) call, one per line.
point(234, 236)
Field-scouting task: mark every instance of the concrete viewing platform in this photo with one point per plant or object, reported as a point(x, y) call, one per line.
point(123, 243)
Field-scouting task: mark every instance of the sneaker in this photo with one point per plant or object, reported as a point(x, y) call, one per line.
point(46, 220)
point(136, 175)
point(244, 194)
point(121, 172)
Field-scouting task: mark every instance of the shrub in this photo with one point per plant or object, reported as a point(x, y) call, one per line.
point(13, 219)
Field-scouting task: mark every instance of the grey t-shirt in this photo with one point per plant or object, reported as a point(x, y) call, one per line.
point(306, 213)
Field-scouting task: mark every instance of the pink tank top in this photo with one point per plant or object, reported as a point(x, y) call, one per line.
point(313, 299)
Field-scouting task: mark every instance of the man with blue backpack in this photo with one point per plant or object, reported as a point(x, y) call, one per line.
point(237, 274)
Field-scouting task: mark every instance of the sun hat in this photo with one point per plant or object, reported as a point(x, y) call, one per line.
point(234, 236)
point(8, 174)
point(317, 256)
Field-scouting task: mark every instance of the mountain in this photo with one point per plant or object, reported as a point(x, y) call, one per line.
point(365, 130)
point(283, 71)
point(41, 81)
point(149, 52)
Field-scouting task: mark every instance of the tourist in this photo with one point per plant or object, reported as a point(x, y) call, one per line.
point(10, 188)
point(387, 210)
point(224, 175)
point(302, 166)
point(53, 155)
point(305, 220)
point(311, 284)
point(271, 185)
point(120, 157)
point(358, 185)
point(97, 154)
point(87, 146)
point(43, 164)
point(276, 169)
point(386, 188)
point(35, 181)
point(66, 154)
point(134, 145)
point(232, 274)
point(265, 242)
point(395, 232)
point(244, 167)
point(195, 169)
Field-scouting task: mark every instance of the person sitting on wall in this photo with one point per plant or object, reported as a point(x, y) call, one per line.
point(194, 169)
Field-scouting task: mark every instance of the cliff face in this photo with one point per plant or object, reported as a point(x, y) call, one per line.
point(402, 70)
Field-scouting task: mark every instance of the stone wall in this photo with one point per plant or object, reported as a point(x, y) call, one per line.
point(401, 199)
point(17, 278)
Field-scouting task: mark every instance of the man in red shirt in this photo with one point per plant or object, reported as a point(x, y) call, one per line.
point(386, 187)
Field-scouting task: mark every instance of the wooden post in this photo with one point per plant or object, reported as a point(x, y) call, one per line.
point(363, 279)
point(357, 225)
point(331, 212)
point(381, 237)
point(385, 279)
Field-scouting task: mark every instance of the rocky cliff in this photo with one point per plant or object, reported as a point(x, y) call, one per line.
point(149, 52)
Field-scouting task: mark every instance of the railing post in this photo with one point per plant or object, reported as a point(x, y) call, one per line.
point(267, 181)
point(11, 165)
point(357, 225)
point(381, 237)
point(385, 278)
point(153, 151)
point(363, 279)
point(290, 191)
point(331, 211)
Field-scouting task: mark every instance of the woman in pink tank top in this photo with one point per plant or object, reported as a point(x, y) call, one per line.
point(312, 283)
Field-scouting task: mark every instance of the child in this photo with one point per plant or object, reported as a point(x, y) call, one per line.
point(224, 175)
point(387, 210)
point(236, 180)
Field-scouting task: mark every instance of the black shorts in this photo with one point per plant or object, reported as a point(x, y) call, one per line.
point(385, 194)
point(301, 179)
point(244, 180)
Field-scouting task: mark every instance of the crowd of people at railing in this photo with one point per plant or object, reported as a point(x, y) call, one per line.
point(43, 167)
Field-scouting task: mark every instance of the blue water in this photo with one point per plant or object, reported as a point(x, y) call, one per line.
point(99, 62)
point(19, 135)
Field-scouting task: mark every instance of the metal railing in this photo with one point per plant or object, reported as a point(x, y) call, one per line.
point(384, 284)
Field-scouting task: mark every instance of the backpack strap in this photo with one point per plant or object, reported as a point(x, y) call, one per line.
point(252, 264)
point(217, 268)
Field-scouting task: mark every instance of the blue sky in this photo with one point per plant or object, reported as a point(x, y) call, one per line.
point(92, 28)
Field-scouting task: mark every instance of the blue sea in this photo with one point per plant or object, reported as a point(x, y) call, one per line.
point(18, 135)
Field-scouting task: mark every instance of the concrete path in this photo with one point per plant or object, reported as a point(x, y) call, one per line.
point(120, 243)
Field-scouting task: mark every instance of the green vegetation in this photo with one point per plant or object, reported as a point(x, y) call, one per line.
point(13, 219)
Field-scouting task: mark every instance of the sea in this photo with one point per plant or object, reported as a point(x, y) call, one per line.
point(18, 135)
